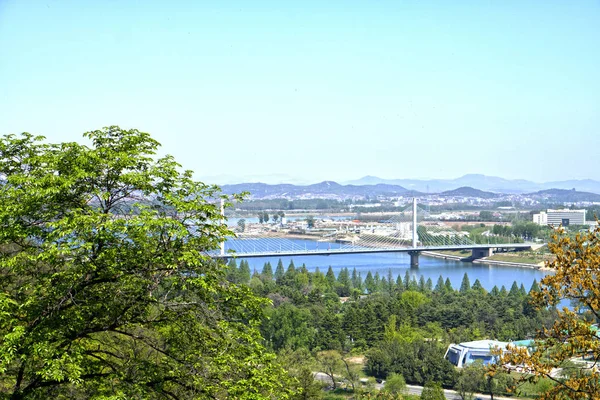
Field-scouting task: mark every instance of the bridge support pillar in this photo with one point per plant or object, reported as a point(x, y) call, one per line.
point(414, 259)
point(481, 253)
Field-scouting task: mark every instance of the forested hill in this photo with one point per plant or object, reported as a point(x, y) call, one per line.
point(467, 191)
point(565, 196)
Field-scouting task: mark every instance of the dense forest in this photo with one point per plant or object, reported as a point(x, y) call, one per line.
point(401, 326)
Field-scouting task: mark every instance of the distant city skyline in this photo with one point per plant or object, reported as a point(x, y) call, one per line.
point(317, 91)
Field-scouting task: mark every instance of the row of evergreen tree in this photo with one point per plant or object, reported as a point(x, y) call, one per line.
point(348, 283)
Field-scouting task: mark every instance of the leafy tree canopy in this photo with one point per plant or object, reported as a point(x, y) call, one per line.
point(106, 290)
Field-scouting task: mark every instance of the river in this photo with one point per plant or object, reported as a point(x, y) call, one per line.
point(399, 263)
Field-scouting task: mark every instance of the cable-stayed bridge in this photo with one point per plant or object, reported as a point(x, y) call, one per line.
point(411, 231)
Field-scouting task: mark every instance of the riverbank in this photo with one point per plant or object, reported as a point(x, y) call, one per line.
point(485, 260)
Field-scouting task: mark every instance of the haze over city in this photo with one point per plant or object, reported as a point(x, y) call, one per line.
point(319, 91)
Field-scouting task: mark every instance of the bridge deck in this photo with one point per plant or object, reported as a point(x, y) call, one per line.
point(329, 252)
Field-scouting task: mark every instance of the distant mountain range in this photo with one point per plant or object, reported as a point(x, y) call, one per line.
point(324, 189)
point(330, 189)
point(481, 182)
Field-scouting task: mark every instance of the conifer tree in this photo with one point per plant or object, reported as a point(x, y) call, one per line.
point(244, 272)
point(377, 281)
point(354, 277)
point(370, 283)
point(232, 271)
point(330, 277)
point(267, 272)
point(429, 285)
point(522, 291)
point(422, 288)
point(465, 286)
point(503, 291)
point(344, 282)
point(390, 281)
point(478, 287)
point(359, 283)
point(514, 290)
point(439, 286)
point(448, 285)
point(399, 283)
point(413, 285)
point(279, 272)
point(535, 287)
point(407, 280)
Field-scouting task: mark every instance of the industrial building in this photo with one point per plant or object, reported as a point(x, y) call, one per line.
point(563, 217)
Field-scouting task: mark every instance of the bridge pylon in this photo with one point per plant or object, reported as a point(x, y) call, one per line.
point(414, 230)
point(414, 258)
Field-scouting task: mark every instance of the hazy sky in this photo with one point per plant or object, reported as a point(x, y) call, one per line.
point(321, 90)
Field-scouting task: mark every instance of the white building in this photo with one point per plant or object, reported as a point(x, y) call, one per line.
point(566, 217)
point(563, 217)
point(463, 354)
point(541, 218)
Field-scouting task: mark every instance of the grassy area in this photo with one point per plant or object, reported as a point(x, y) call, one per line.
point(522, 257)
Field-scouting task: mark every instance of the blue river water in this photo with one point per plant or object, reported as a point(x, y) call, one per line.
point(399, 263)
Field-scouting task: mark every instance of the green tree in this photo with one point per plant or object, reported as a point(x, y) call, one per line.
point(486, 216)
point(370, 283)
point(106, 291)
point(395, 384)
point(299, 364)
point(241, 224)
point(330, 277)
point(244, 272)
point(310, 221)
point(465, 285)
point(330, 363)
point(470, 381)
point(279, 272)
point(439, 286)
point(344, 286)
point(477, 287)
point(267, 271)
point(429, 285)
point(535, 287)
point(448, 285)
point(432, 391)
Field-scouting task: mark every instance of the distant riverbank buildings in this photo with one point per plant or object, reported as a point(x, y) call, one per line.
point(563, 217)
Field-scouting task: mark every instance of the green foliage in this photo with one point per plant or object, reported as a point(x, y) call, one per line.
point(432, 391)
point(106, 291)
point(465, 286)
point(395, 384)
point(241, 225)
point(470, 380)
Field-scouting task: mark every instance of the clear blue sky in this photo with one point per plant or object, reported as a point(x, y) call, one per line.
point(321, 90)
